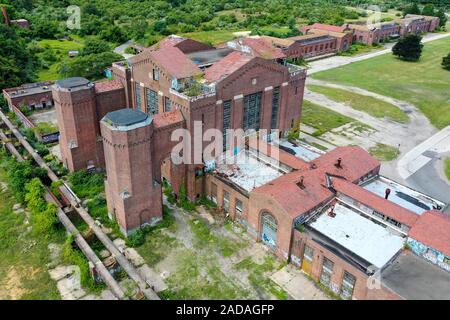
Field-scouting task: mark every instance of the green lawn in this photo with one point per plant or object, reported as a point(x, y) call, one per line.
point(447, 167)
point(384, 152)
point(370, 105)
point(211, 37)
point(321, 118)
point(23, 256)
point(424, 83)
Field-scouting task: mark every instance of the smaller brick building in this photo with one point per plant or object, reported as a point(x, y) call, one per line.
point(31, 96)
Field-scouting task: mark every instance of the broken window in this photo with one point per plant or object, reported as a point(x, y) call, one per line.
point(138, 95)
point(238, 207)
point(252, 109)
point(167, 106)
point(327, 271)
point(214, 192)
point(226, 121)
point(226, 201)
point(152, 102)
point(275, 104)
point(348, 284)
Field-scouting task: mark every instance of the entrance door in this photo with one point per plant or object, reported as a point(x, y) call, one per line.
point(269, 230)
point(307, 259)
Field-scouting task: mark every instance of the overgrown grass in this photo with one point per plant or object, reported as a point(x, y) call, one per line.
point(73, 256)
point(87, 185)
point(322, 119)
point(424, 83)
point(258, 278)
point(205, 238)
point(370, 105)
point(447, 167)
point(384, 152)
point(60, 50)
point(211, 37)
point(23, 255)
point(199, 277)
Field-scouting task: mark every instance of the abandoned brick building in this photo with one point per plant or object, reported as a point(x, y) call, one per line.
point(331, 214)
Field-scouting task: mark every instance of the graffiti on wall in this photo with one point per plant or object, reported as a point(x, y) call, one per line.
point(429, 254)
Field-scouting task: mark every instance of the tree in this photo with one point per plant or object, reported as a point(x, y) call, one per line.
point(408, 48)
point(91, 66)
point(411, 9)
point(17, 63)
point(95, 46)
point(446, 62)
point(442, 18)
point(428, 10)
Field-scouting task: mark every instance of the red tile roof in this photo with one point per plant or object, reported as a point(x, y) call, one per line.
point(356, 163)
point(293, 199)
point(327, 27)
point(375, 202)
point(433, 230)
point(226, 66)
point(175, 62)
point(262, 48)
point(108, 85)
point(169, 41)
point(167, 118)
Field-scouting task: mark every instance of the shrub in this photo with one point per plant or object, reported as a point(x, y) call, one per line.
point(446, 62)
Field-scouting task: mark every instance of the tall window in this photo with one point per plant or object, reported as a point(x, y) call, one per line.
point(138, 95)
point(238, 207)
point(155, 75)
point(348, 285)
point(226, 201)
point(327, 271)
point(226, 121)
point(275, 106)
point(167, 105)
point(252, 109)
point(214, 192)
point(152, 101)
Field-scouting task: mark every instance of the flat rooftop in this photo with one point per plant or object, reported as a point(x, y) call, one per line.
point(366, 239)
point(29, 89)
point(208, 57)
point(403, 196)
point(74, 82)
point(299, 150)
point(127, 119)
point(246, 171)
point(414, 278)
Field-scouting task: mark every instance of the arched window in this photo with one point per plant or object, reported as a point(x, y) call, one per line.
point(269, 229)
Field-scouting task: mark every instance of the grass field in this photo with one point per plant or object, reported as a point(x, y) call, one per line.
point(60, 49)
point(321, 118)
point(211, 37)
point(384, 152)
point(447, 168)
point(23, 256)
point(424, 83)
point(370, 105)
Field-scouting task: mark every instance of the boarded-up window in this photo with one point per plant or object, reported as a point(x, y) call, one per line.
point(308, 255)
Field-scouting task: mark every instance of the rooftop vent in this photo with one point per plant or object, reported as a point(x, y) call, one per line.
point(339, 163)
point(300, 182)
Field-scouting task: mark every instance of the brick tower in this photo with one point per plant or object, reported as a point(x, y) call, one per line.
point(133, 195)
point(77, 120)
